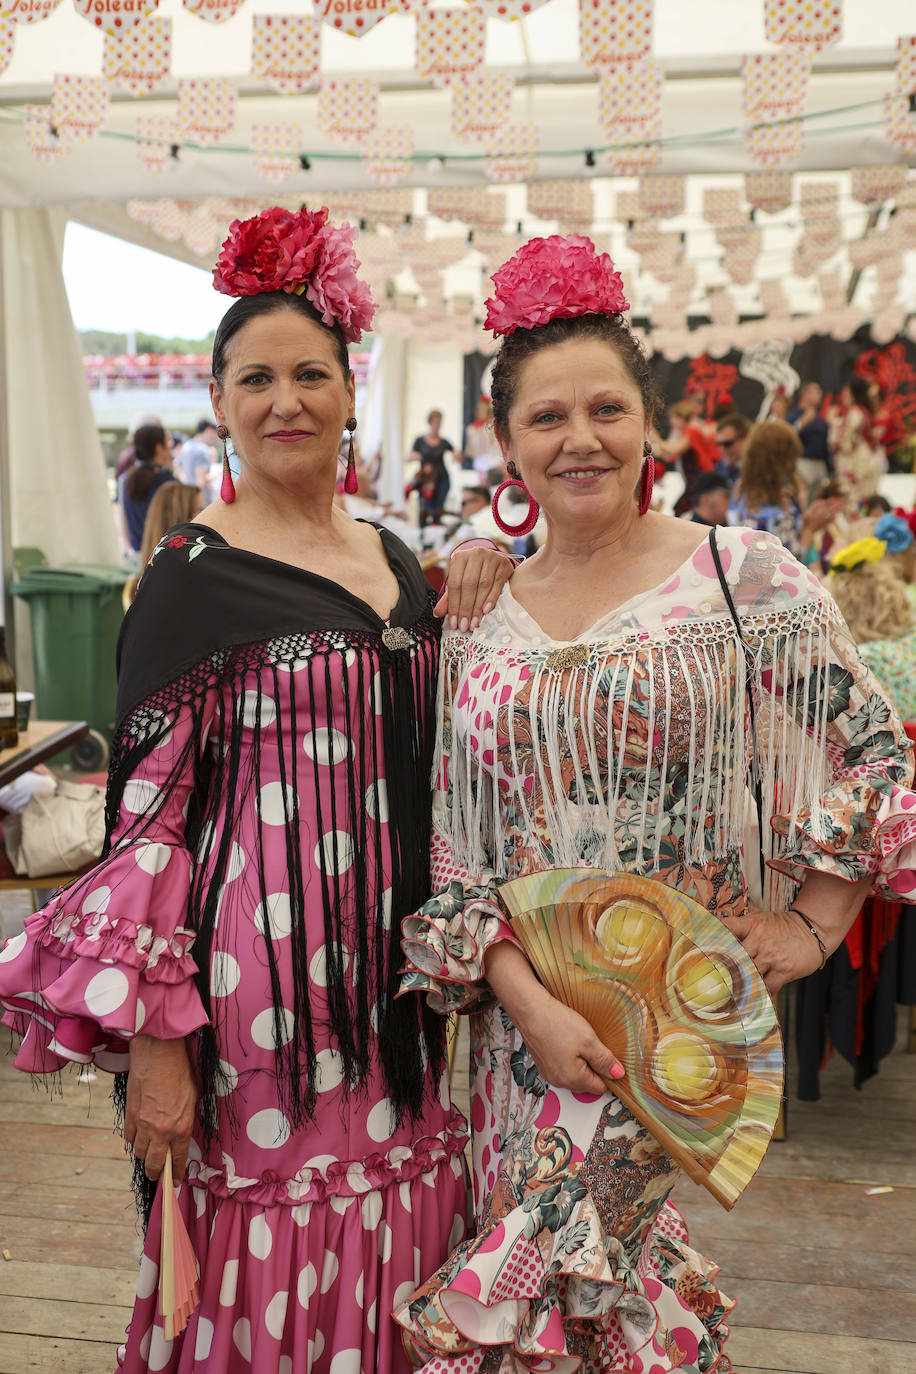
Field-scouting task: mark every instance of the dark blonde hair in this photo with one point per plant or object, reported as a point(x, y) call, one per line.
point(173, 504)
point(770, 465)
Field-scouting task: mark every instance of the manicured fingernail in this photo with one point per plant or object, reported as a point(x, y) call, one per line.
point(453, 622)
point(617, 1071)
point(474, 622)
point(464, 623)
point(488, 608)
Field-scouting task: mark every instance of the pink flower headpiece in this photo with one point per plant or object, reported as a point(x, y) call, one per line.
point(297, 251)
point(556, 278)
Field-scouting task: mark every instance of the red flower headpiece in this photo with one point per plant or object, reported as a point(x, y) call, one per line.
point(297, 251)
point(556, 278)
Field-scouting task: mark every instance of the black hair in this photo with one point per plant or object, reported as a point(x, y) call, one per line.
point(516, 348)
point(482, 492)
point(143, 473)
point(267, 303)
point(204, 424)
point(860, 390)
point(709, 481)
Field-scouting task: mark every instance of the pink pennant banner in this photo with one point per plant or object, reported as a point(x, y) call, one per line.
point(570, 202)
point(79, 105)
point(114, 17)
point(286, 51)
point(156, 137)
point(348, 108)
point(614, 31)
point(512, 152)
point(388, 151)
point(663, 196)
point(213, 11)
point(27, 12)
point(629, 96)
point(813, 24)
point(875, 184)
point(480, 103)
point(450, 44)
point(768, 191)
point(775, 83)
point(7, 42)
point(142, 59)
point(45, 146)
point(772, 145)
point(357, 17)
point(206, 109)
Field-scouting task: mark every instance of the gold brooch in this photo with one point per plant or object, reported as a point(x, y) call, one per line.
point(394, 637)
point(573, 656)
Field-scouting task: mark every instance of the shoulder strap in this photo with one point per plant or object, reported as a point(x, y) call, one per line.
point(755, 775)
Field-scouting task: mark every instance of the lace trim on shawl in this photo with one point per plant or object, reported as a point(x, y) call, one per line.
point(568, 713)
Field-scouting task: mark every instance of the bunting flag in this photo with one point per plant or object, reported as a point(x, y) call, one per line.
point(388, 151)
point(285, 51)
point(508, 9)
point(818, 200)
point(899, 125)
point(46, 147)
point(813, 24)
point(742, 246)
point(570, 202)
point(612, 31)
point(481, 102)
point(7, 42)
point(906, 64)
point(775, 84)
point(156, 137)
point(142, 59)
point(663, 196)
point(640, 152)
point(379, 206)
point(512, 150)
point(475, 205)
point(206, 109)
point(213, 11)
point(27, 12)
point(877, 184)
point(629, 97)
point(627, 207)
point(114, 17)
point(768, 191)
point(450, 44)
point(276, 148)
point(357, 17)
point(79, 105)
point(348, 108)
point(772, 145)
point(723, 205)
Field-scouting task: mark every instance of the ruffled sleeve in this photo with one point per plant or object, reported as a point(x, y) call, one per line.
point(446, 941)
point(110, 955)
point(835, 762)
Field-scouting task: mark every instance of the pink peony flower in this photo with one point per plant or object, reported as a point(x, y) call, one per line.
point(555, 278)
point(297, 251)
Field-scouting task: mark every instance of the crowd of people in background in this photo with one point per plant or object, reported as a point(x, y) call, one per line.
point(155, 460)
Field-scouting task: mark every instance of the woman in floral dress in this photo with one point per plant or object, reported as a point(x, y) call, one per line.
point(599, 716)
point(236, 947)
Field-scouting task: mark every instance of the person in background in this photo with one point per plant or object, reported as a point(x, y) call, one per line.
point(432, 445)
point(711, 499)
point(771, 495)
point(480, 446)
point(175, 503)
point(137, 487)
point(857, 455)
point(779, 404)
point(877, 506)
point(732, 430)
point(816, 462)
point(127, 457)
point(197, 455)
point(432, 482)
point(689, 445)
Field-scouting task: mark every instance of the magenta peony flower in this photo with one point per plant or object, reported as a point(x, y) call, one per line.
point(555, 278)
point(297, 251)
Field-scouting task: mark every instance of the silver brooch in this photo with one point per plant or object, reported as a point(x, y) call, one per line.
point(394, 637)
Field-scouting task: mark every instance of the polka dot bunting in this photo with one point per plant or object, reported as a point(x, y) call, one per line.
point(27, 11)
point(450, 44)
point(348, 108)
point(79, 105)
point(775, 83)
point(114, 17)
point(206, 108)
point(7, 42)
point(285, 51)
point(213, 11)
point(612, 31)
point(356, 17)
point(814, 24)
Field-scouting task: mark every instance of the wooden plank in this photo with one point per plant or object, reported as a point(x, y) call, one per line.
point(67, 1202)
point(81, 1142)
point(840, 1266)
point(803, 1307)
point(788, 1352)
point(35, 1240)
point(72, 1320)
point(50, 1355)
point(33, 1170)
point(67, 1283)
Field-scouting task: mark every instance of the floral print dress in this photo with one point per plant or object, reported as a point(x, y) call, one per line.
point(630, 749)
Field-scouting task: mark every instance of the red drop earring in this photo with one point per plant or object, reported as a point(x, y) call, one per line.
point(227, 485)
point(647, 479)
point(351, 481)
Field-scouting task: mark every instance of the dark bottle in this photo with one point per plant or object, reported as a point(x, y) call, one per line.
point(9, 734)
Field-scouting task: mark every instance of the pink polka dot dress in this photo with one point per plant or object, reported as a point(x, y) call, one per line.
point(263, 848)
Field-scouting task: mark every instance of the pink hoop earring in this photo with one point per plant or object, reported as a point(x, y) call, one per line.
point(351, 481)
point(227, 486)
point(647, 480)
point(534, 510)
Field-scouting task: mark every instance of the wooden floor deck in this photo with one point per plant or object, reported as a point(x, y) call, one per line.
point(824, 1271)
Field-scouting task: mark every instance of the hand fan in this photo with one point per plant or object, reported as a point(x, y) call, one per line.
point(668, 988)
point(179, 1285)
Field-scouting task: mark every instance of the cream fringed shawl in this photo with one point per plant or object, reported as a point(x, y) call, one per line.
point(632, 743)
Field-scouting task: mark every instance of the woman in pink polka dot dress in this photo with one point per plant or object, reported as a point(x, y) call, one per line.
point(235, 950)
point(601, 715)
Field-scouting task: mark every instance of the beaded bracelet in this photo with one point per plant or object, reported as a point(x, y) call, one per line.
point(814, 931)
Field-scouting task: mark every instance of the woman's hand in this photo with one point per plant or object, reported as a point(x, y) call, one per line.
point(476, 577)
point(161, 1096)
point(779, 943)
point(566, 1050)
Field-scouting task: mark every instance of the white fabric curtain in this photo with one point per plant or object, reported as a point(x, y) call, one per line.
point(383, 422)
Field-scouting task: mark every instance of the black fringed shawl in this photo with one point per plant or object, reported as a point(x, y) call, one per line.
point(205, 616)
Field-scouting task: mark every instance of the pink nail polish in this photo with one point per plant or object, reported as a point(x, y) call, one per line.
point(617, 1071)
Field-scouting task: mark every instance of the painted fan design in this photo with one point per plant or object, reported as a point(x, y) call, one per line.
point(672, 993)
point(179, 1285)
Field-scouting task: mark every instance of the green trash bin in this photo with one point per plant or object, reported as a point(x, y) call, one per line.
point(76, 613)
